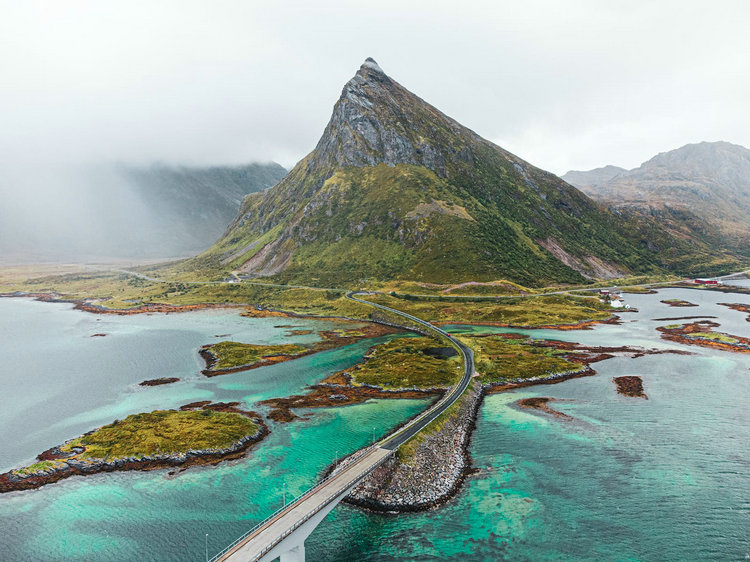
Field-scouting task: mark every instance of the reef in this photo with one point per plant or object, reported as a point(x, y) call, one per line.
point(630, 385)
point(678, 303)
point(326, 395)
point(682, 318)
point(160, 381)
point(541, 403)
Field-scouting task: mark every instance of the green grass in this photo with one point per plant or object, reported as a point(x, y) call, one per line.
point(402, 363)
point(500, 360)
point(165, 432)
point(36, 467)
point(407, 451)
point(230, 354)
point(637, 290)
point(714, 336)
point(534, 311)
point(118, 291)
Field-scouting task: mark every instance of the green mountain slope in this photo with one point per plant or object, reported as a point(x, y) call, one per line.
point(396, 189)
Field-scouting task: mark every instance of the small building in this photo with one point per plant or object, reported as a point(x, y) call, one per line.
point(706, 282)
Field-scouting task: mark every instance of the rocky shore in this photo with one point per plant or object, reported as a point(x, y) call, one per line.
point(434, 472)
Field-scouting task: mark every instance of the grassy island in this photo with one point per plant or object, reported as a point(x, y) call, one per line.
point(227, 356)
point(702, 333)
point(679, 303)
point(499, 359)
point(411, 362)
point(144, 441)
point(164, 432)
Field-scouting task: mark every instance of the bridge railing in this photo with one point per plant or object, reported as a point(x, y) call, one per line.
point(349, 461)
point(320, 507)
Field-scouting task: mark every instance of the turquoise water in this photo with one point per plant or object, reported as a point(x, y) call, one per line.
point(666, 478)
point(60, 381)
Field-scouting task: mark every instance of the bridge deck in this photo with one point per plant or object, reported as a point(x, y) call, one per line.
point(257, 544)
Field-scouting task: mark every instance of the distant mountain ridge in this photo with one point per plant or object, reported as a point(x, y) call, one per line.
point(195, 204)
point(703, 187)
point(397, 189)
point(117, 211)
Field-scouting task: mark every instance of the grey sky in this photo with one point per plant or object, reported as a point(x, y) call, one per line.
point(563, 84)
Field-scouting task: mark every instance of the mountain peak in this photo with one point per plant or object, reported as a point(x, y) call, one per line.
point(371, 65)
point(376, 120)
point(396, 189)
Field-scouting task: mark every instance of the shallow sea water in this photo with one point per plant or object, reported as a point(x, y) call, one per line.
point(666, 478)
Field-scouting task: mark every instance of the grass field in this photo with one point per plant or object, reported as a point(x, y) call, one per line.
point(230, 354)
point(500, 360)
point(407, 363)
point(165, 432)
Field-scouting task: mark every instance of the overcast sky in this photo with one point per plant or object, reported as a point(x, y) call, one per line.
point(563, 84)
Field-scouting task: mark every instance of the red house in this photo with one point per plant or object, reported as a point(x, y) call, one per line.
point(706, 282)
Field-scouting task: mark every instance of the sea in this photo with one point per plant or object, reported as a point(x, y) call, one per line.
point(665, 478)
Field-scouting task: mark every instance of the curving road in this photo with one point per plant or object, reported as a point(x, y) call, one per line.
point(393, 442)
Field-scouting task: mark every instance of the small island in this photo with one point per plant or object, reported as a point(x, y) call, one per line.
point(159, 381)
point(406, 363)
point(701, 333)
point(630, 385)
point(678, 303)
point(147, 441)
point(230, 356)
point(541, 403)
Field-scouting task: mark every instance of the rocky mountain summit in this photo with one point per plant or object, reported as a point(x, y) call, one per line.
point(397, 189)
point(701, 188)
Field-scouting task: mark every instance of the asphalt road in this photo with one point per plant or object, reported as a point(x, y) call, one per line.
point(419, 423)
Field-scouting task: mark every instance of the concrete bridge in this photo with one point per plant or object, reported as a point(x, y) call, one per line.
point(283, 534)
